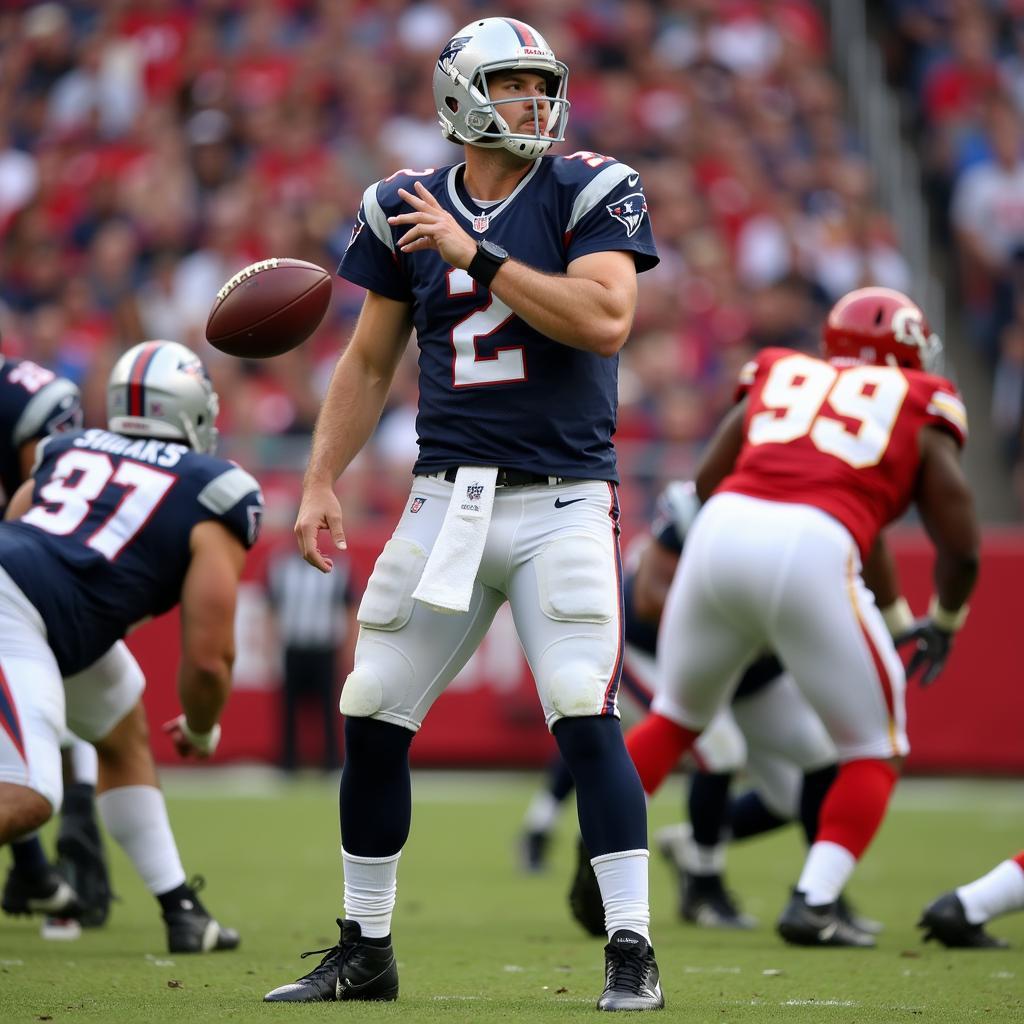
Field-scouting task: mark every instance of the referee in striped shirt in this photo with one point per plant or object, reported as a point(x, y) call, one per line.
point(315, 617)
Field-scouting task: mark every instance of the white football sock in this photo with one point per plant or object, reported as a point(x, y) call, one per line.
point(622, 878)
point(542, 813)
point(371, 887)
point(136, 816)
point(998, 892)
point(827, 869)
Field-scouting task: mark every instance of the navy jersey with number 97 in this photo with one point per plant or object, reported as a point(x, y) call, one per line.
point(106, 543)
point(494, 391)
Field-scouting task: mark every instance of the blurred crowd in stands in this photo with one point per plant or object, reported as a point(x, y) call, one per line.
point(960, 65)
point(150, 148)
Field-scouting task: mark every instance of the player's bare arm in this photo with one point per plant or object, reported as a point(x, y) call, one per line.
point(208, 600)
point(653, 578)
point(21, 502)
point(947, 510)
point(349, 414)
point(722, 451)
point(590, 307)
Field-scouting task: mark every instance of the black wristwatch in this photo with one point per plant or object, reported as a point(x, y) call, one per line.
point(488, 260)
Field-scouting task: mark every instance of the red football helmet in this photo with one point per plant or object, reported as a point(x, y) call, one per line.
point(882, 327)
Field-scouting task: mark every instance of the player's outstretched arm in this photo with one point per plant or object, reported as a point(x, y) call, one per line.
point(654, 575)
point(722, 451)
point(349, 414)
point(208, 599)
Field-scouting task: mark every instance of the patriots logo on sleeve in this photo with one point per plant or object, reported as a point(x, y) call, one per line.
point(629, 211)
point(356, 228)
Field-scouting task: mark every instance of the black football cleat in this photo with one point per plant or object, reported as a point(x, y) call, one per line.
point(191, 928)
point(585, 900)
point(945, 920)
point(353, 970)
point(804, 925)
point(631, 980)
point(46, 893)
point(80, 859)
point(848, 913)
point(707, 903)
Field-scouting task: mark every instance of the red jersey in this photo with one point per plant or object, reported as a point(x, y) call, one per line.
point(841, 438)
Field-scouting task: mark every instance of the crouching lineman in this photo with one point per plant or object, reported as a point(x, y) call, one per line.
point(117, 526)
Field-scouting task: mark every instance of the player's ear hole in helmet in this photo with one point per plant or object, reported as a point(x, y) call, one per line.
point(161, 389)
point(882, 327)
point(467, 112)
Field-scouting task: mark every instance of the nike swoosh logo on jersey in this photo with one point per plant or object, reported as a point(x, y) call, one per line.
point(632, 180)
point(572, 501)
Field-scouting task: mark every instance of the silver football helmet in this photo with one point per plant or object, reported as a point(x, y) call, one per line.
point(465, 109)
point(161, 389)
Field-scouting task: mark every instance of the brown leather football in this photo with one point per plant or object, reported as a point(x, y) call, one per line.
point(268, 308)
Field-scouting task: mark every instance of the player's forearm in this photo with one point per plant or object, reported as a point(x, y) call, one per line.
point(348, 416)
point(955, 576)
point(574, 311)
point(203, 688)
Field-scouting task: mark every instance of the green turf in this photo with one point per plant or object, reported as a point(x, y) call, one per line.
point(479, 942)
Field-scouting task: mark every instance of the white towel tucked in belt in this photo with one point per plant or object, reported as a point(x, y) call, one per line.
point(448, 577)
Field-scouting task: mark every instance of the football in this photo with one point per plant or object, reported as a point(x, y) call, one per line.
point(268, 308)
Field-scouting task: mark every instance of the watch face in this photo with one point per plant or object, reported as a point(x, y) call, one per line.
point(494, 250)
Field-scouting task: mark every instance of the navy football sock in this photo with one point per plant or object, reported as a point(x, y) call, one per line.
point(30, 857)
point(812, 795)
point(708, 805)
point(376, 789)
point(609, 797)
point(749, 816)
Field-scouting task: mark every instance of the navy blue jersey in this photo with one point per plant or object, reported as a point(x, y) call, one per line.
point(106, 543)
point(494, 391)
point(34, 402)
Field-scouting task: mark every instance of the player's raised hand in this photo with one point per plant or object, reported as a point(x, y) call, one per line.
point(433, 227)
point(933, 646)
point(319, 510)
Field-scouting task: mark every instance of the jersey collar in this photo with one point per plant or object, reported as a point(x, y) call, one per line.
point(481, 220)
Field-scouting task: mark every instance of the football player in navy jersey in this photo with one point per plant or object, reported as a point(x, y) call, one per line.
point(517, 270)
point(115, 527)
point(34, 403)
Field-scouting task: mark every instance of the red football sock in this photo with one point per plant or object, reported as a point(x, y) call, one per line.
point(856, 803)
point(655, 745)
point(1019, 860)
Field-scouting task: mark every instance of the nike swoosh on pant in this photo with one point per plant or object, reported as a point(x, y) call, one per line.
point(572, 501)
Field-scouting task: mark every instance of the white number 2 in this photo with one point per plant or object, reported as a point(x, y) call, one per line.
point(469, 368)
point(79, 479)
point(797, 387)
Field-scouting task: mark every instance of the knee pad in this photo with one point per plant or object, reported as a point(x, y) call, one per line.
point(575, 689)
point(362, 693)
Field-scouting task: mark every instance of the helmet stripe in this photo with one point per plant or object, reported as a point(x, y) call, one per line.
point(136, 378)
point(521, 29)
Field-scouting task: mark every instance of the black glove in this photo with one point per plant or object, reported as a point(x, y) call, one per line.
point(933, 646)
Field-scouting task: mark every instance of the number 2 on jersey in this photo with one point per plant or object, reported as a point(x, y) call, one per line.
point(798, 387)
point(469, 368)
point(79, 479)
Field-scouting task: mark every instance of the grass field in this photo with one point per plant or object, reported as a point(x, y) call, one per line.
point(479, 942)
